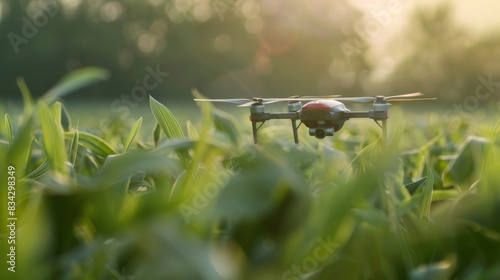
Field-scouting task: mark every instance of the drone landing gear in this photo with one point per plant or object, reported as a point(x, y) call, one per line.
point(383, 126)
point(261, 118)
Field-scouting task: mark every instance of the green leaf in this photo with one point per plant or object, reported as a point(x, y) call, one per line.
point(439, 195)
point(427, 189)
point(133, 133)
point(73, 149)
point(19, 149)
point(65, 118)
point(118, 167)
point(191, 130)
point(156, 134)
point(8, 128)
point(27, 100)
point(413, 187)
point(74, 81)
point(93, 143)
point(225, 123)
point(170, 126)
point(433, 271)
point(467, 166)
point(166, 120)
point(39, 171)
point(53, 138)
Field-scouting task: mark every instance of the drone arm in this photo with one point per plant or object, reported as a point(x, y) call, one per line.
point(357, 114)
point(381, 115)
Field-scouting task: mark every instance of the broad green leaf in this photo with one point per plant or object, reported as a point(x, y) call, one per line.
point(467, 166)
point(118, 167)
point(170, 126)
point(225, 123)
point(133, 133)
point(96, 144)
point(53, 138)
point(27, 100)
point(166, 120)
point(74, 81)
point(374, 217)
point(8, 128)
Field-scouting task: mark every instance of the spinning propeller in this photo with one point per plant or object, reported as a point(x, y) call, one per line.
point(246, 102)
point(323, 115)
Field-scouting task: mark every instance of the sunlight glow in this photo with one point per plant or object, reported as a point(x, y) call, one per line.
point(254, 25)
point(222, 43)
point(202, 12)
point(111, 11)
point(4, 10)
point(250, 9)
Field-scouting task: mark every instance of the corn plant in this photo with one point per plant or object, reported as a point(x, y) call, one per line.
point(200, 202)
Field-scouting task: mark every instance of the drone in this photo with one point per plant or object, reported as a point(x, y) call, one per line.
point(323, 115)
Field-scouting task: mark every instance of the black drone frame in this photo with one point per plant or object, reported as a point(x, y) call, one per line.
point(259, 118)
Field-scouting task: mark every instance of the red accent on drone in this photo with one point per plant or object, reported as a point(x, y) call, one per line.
point(311, 106)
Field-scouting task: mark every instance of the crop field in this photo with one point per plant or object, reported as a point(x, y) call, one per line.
point(157, 196)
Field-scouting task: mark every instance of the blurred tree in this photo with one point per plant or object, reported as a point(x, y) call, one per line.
point(222, 47)
point(442, 59)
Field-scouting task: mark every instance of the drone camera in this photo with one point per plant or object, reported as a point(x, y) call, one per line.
point(321, 133)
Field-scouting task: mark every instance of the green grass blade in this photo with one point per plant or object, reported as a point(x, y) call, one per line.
point(39, 171)
point(65, 118)
point(73, 149)
point(56, 109)
point(19, 149)
point(192, 131)
point(53, 138)
point(93, 143)
point(26, 93)
point(8, 128)
point(74, 81)
point(427, 189)
point(133, 133)
point(156, 134)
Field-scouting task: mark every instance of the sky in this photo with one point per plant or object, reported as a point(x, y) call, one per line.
point(479, 17)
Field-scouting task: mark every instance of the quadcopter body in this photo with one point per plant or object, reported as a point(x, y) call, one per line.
point(323, 116)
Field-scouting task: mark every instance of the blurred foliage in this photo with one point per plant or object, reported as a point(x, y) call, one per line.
point(202, 205)
point(443, 58)
point(229, 48)
point(222, 47)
